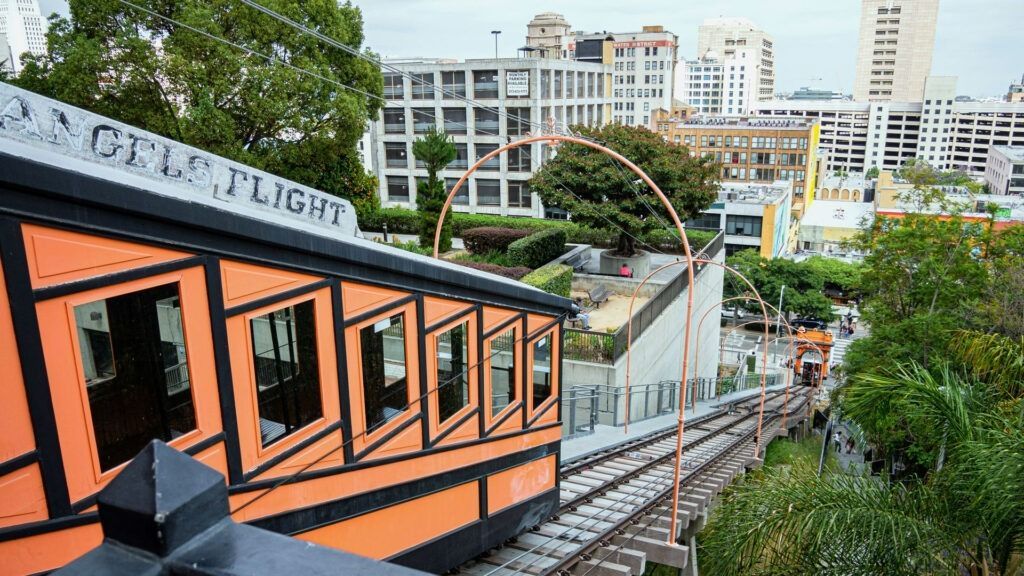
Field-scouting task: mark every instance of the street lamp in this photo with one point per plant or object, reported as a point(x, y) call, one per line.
point(495, 32)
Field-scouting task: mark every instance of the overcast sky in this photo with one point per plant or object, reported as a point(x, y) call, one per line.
point(815, 40)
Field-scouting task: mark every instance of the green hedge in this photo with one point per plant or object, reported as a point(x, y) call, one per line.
point(554, 279)
point(403, 221)
point(490, 239)
point(538, 248)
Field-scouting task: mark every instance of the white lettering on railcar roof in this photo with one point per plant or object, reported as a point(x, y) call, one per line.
point(47, 131)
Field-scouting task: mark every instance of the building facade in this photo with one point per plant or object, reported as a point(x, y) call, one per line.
point(753, 216)
point(643, 66)
point(549, 33)
point(515, 97)
point(722, 87)
point(948, 133)
point(894, 53)
point(1004, 170)
point(729, 37)
point(752, 150)
point(24, 28)
point(1015, 93)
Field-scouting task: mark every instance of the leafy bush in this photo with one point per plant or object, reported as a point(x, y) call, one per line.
point(515, 273)
point(554, 279)
point(410, 246)
point(402, 221)
point(490, 239)
point(538, 248)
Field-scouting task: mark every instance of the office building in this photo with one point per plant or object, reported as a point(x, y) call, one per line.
point(754, 216)
point(720, 86)
point(806, 93)
point(891, 202)
point(730, 38)
point(643, 66)
point(1004, 170)
point(753, 150)
point(643, 62)
point(894, 53)
point(948, 133)
point(829, 224)
point(6, 58)
point(842, 187)
point(24, 28)
point(515, 96)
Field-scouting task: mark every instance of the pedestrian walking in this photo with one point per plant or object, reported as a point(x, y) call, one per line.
point(849, 445)
point(837, 439)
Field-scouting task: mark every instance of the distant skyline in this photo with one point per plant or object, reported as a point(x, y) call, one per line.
point(815, 41)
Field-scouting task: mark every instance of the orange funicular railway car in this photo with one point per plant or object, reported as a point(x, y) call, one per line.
point(817, 346)
point(352, 395)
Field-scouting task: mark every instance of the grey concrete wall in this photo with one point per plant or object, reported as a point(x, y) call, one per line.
point(657, 354)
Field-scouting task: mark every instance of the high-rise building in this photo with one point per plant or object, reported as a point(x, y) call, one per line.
point(730, 37)
point(721, 87)
point(1015, 93)
point(24, 28)
point(894, 55)
point(514, 96)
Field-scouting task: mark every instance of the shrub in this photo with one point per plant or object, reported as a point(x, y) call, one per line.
point(538, 248)
point(399, 221)
point(554, 279)
point(411, 246)
point(514, 273)
point(490, 239)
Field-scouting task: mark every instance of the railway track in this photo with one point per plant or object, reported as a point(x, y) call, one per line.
point(614, 503)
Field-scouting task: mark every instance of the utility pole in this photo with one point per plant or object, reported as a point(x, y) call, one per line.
point(495, 32)
point(778, 325)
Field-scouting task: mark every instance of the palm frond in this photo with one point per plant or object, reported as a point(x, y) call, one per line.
point(993, 358)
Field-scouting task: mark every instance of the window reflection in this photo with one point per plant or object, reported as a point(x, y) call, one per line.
point(453, 371)
point(503, 370)
point(385, 385)
point(135, 367)
point(287, 370)
point(541, 370)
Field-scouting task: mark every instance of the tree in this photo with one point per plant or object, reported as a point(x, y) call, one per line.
point(804, 284)
point(600, 193)
point(872, 172)
point(145, 71)
point(436, 151)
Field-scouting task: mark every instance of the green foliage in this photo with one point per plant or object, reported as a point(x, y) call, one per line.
point(538, 248)
point(786, 452)
point(553, 278)
point(836, 274)
point(513, 272)
point(804, 282)
point(435, 150)
point(872, 172)
point(122, 63)
point(493, 257)
point(403, 221)
point(489, 239)
point(596, 190)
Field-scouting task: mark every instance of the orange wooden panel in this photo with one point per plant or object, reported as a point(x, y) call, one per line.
point(247, 282)
point(37, 554)
point(513, 423)
point(408, 440)
point(469, 430)
point(387, 532)
point(21, 497)
point(215, 457)
point(520, 483)
point(496, 316)
point(17, 437)
point(67, 383)
point(535, 322)
point(437, 309)
point(243, 372)
point(433, 395)
point(360, 437)
point(326, 452)
point(58, 256)
point(360, 298)
point(318, 490)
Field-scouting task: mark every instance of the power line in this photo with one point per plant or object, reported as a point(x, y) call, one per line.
point(375, 61)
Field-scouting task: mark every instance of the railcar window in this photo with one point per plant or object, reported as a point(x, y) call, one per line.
point(287, 370)
point(135, 366)
point(452, 371)
point(385, 386)
point(503, 371)
point(541, 370)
